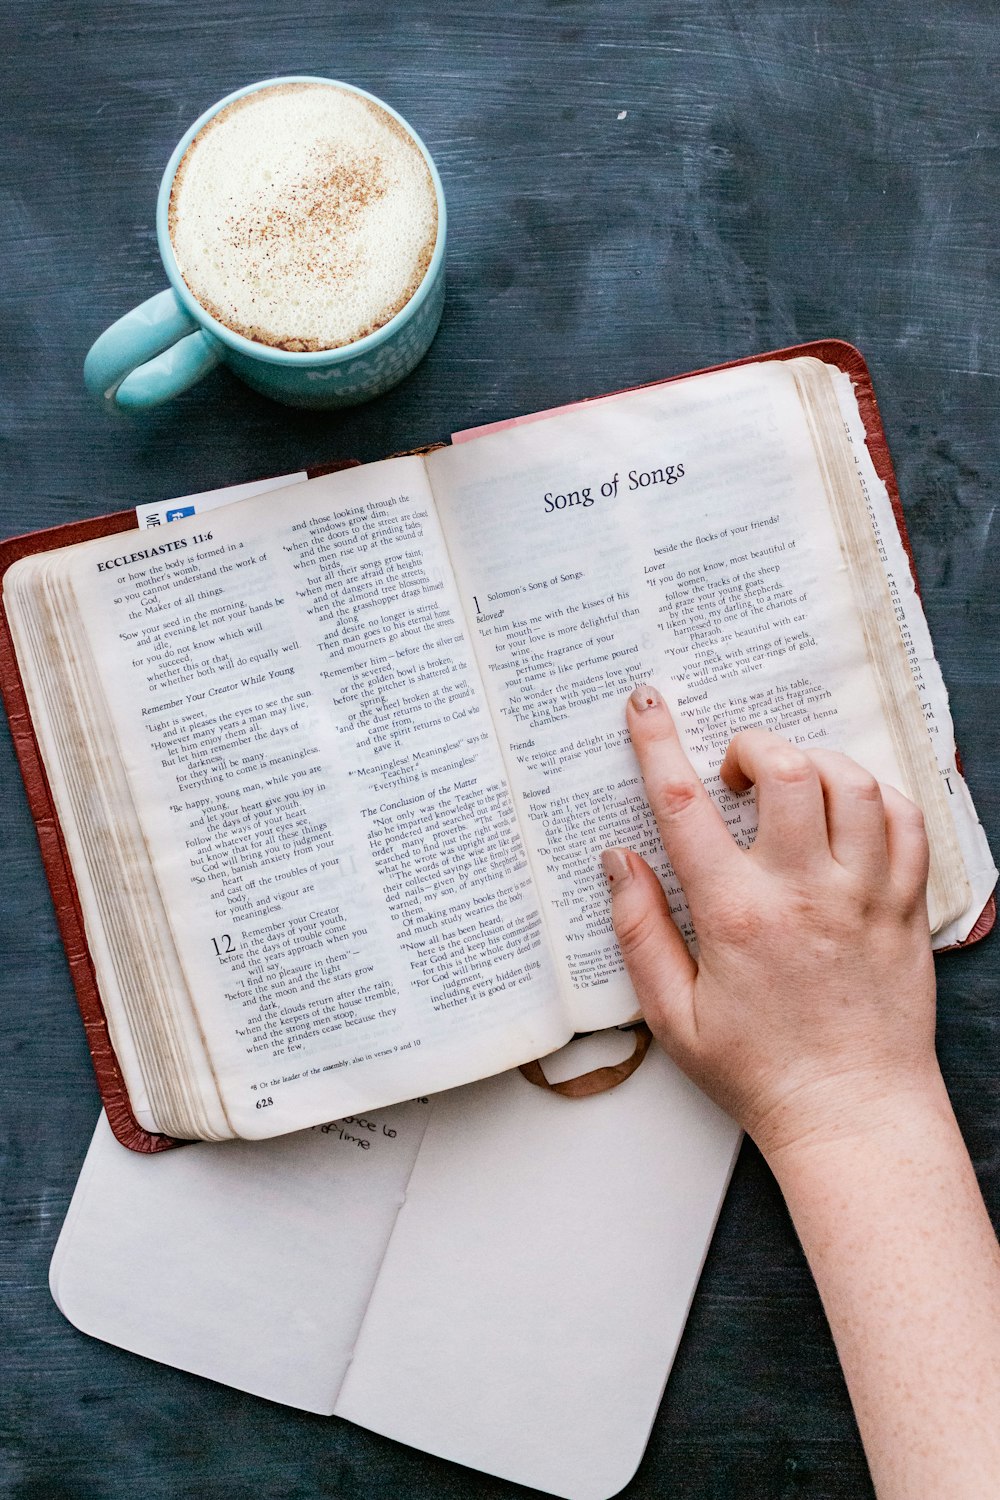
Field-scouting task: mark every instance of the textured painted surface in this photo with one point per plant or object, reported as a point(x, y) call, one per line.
point(633, 191)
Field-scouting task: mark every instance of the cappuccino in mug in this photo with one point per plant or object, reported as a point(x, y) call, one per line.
point(303, 216)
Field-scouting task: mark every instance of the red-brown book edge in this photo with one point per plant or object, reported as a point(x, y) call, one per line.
point(55, 859)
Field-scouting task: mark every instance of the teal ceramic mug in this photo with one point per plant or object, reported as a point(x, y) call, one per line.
point(170, 342)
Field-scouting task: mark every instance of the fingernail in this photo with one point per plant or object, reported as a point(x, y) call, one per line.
point(615, 865)
point(646, 696)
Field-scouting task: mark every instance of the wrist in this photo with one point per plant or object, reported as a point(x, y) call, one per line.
point(866, 1129)
point(849, 1113)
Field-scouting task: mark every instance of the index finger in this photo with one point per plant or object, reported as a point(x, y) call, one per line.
point(697, 841)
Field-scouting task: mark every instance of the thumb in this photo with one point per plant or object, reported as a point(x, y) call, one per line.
point(659, 965)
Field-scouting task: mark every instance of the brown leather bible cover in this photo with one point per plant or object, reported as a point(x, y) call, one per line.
point(54, 855)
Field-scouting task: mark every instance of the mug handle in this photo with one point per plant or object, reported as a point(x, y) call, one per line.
point(151, 354)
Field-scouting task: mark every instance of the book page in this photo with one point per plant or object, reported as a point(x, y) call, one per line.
point(680, 535)
point(537, 1282)
point(247, 1263)
point(302, 724)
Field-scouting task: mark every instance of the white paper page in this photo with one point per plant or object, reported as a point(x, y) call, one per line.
point(530, 1304)
point(249, 1264)
point(539, 1276)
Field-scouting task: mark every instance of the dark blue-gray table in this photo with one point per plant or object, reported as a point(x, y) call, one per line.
point(634, 190)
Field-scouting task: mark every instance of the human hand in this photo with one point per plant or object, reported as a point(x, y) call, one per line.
point(810, 1008)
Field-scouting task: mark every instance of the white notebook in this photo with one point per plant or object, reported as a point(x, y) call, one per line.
point(497, 1275)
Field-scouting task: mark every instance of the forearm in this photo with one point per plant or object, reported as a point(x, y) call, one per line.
point(906, 1261)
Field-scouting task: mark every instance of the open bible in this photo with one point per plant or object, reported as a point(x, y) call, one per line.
point(334, 766)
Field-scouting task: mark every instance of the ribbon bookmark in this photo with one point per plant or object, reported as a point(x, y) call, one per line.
point(598, 1080)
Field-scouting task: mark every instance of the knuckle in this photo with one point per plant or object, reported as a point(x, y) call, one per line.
point(802, 906)
point(859, 904)
point(674, 795)
point(635, 930)
point(858, 783)
point(789, 766)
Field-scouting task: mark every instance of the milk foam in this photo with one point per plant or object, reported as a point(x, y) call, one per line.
point(303, 216)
